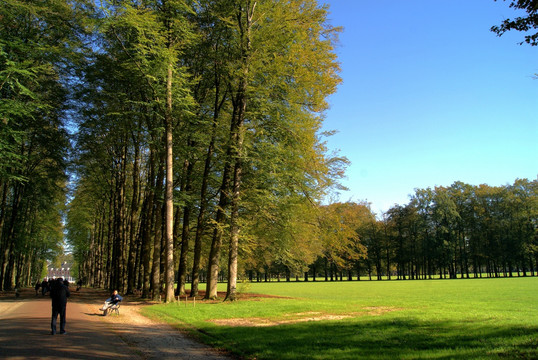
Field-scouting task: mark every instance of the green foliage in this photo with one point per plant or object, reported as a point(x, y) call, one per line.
point(243, 286)
point(521, 23)
point(44, 271)
point(39, 46)
point(339, 232)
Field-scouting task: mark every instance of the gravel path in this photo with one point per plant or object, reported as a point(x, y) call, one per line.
point(25, 331)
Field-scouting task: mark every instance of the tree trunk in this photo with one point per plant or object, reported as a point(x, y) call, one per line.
point(133, 219)
point(169, 195)
point(218, 103)
point(238, 136)
point(182, 270)
point(157, 240)
point(9, 241)
point(148, 213)
point(214, 253)
point(3, 243)
point(234, 230)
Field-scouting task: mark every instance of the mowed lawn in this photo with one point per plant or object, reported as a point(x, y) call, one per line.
point(424, 319)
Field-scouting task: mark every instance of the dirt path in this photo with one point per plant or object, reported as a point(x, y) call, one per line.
point(25, 331)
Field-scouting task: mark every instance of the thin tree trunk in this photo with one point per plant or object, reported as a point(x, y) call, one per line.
point(9, 242)
point(146, 229)
point(169, 195)
point(133, 219)
point(3, 239)
point(241, 104)
point(157, 240)
point(203, 191)
point(224, 201)
point(3, 243)
point(214, 253)
point(182, 270)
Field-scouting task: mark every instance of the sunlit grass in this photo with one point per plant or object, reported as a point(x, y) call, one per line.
point(468, 319)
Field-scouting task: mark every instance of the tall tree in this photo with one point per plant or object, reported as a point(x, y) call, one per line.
point(299, 93)
point(153, 35)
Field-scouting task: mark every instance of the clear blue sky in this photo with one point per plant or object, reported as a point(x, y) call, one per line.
point(431, 96)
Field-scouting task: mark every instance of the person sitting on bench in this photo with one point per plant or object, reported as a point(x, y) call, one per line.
point(114, 299)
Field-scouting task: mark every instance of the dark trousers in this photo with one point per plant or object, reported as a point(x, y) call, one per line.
point(58, 310)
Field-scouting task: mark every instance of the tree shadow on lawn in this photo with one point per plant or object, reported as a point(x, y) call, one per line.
point(380, 339)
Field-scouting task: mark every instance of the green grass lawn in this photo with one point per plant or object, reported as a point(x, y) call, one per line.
point(426, 319)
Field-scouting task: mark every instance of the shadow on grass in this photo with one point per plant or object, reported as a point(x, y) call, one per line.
point(379, 339)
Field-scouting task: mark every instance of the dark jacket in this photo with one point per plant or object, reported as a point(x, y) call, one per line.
point(114, 299)
point(59, 294)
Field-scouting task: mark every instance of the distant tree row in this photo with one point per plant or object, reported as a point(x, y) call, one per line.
point(460, 231)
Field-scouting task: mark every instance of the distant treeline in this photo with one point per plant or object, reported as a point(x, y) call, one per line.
point(461, 231)
point(448, 232)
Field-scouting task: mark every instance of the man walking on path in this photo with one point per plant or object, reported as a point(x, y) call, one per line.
point(59, 294)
